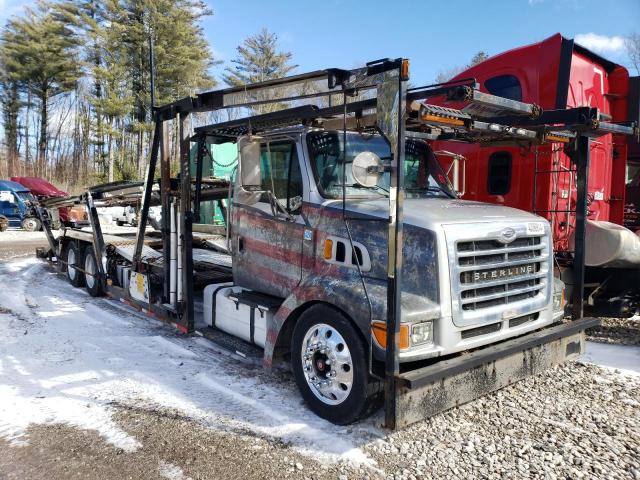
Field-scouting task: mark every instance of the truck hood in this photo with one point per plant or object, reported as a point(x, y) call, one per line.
point(39, 186)
point(433, 212)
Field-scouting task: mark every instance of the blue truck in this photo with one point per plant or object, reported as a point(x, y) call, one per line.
point(17, 206)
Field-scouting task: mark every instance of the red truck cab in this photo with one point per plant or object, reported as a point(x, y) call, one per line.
point(555, 73)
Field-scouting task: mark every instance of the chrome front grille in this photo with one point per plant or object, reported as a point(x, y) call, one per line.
point(494, 281)
point(493, 273)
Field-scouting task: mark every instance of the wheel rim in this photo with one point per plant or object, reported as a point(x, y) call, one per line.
point(327, 364)
point(90, 269)
point(71, 263)
point(30, 224)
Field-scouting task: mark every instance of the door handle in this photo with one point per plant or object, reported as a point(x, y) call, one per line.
point(240, 244)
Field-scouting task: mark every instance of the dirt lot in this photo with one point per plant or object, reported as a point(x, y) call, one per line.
point(89, 389)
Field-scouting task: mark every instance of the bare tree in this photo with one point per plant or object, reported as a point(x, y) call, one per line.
point(632, 43)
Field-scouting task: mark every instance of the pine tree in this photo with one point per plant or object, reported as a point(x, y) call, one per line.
point(10, 76)
point(259, 60)
point(88, 20)
point(182, 55)
point(479, 57)
point(47, 52)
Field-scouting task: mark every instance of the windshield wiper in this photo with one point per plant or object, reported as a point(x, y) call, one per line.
point(357, 185)
point(428, 188)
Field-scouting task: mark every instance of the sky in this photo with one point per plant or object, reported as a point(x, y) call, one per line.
point(434, 35)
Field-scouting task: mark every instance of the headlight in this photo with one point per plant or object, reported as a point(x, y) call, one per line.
point(558, 294)
point(558, 300)
point(421, 333)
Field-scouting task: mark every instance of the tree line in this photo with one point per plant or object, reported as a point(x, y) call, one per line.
point(75, 82)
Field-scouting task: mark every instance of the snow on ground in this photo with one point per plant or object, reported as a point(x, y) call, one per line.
point(68, 358)
point(623, 358)
point(13, 235)
point(171, 472)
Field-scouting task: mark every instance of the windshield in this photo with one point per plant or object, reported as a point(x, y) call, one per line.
point(25, 196)
point(423, 175)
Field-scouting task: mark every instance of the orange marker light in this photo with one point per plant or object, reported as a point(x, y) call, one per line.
point(556, 138)
point(404, 71)
point(379, 330)
point(328, 249)
point(427, 117)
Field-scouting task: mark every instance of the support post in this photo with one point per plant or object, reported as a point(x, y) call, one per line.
point(98, 239)
point(165, 199)
point(199, 160)
point(582, 174)
point(186, 323)
point(146, 199)
point(394, 267)
point(45, 221)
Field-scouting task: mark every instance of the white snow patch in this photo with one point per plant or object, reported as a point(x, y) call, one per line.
point(171, 472)
point(623, 358)
point(66, 357)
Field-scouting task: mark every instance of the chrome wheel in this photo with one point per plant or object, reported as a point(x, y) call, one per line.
point(327, 364)
point(90, 271)
point(71, 263)
point(30, 224)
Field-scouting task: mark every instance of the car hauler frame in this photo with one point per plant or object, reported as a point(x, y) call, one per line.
point(371, 99)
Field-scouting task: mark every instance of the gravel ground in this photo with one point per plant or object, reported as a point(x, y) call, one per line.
point(574, 421)
point(623, 331)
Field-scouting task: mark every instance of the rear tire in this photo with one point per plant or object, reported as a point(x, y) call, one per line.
point(4, 223)
point(74, 258)
point(92, 282)
point(31, 224)
point(329, 361)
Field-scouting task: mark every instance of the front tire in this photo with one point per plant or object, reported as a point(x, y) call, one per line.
point(31, 224)
point(91, 276)
point(329, 364)
point(74, 259)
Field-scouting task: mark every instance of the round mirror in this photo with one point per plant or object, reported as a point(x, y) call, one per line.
point(367, 169)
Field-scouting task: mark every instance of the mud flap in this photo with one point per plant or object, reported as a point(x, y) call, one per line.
point(425, 392)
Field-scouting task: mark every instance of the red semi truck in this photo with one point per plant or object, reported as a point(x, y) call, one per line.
point(553, 74)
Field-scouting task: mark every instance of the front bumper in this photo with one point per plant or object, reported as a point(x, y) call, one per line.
point(424, 392)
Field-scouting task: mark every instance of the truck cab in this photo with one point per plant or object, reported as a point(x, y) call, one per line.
point(41, 189)
point(474, 273)
point(17, 205)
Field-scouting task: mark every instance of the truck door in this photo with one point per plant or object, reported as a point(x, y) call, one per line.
point(267, 235)
point(9, 208)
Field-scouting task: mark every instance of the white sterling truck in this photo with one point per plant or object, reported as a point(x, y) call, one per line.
point(346, 252)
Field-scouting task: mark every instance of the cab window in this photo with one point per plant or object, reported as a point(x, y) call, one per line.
point(506, 86)
point(281, 174)
point(499, 174)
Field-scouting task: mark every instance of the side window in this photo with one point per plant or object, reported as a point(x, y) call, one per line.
point(281, 174)
point(6, 197)
point(499, 175)
point(506, 86)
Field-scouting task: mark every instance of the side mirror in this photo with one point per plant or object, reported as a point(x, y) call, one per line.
point(248, 185)
point(367, 169)
point(249, 161)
